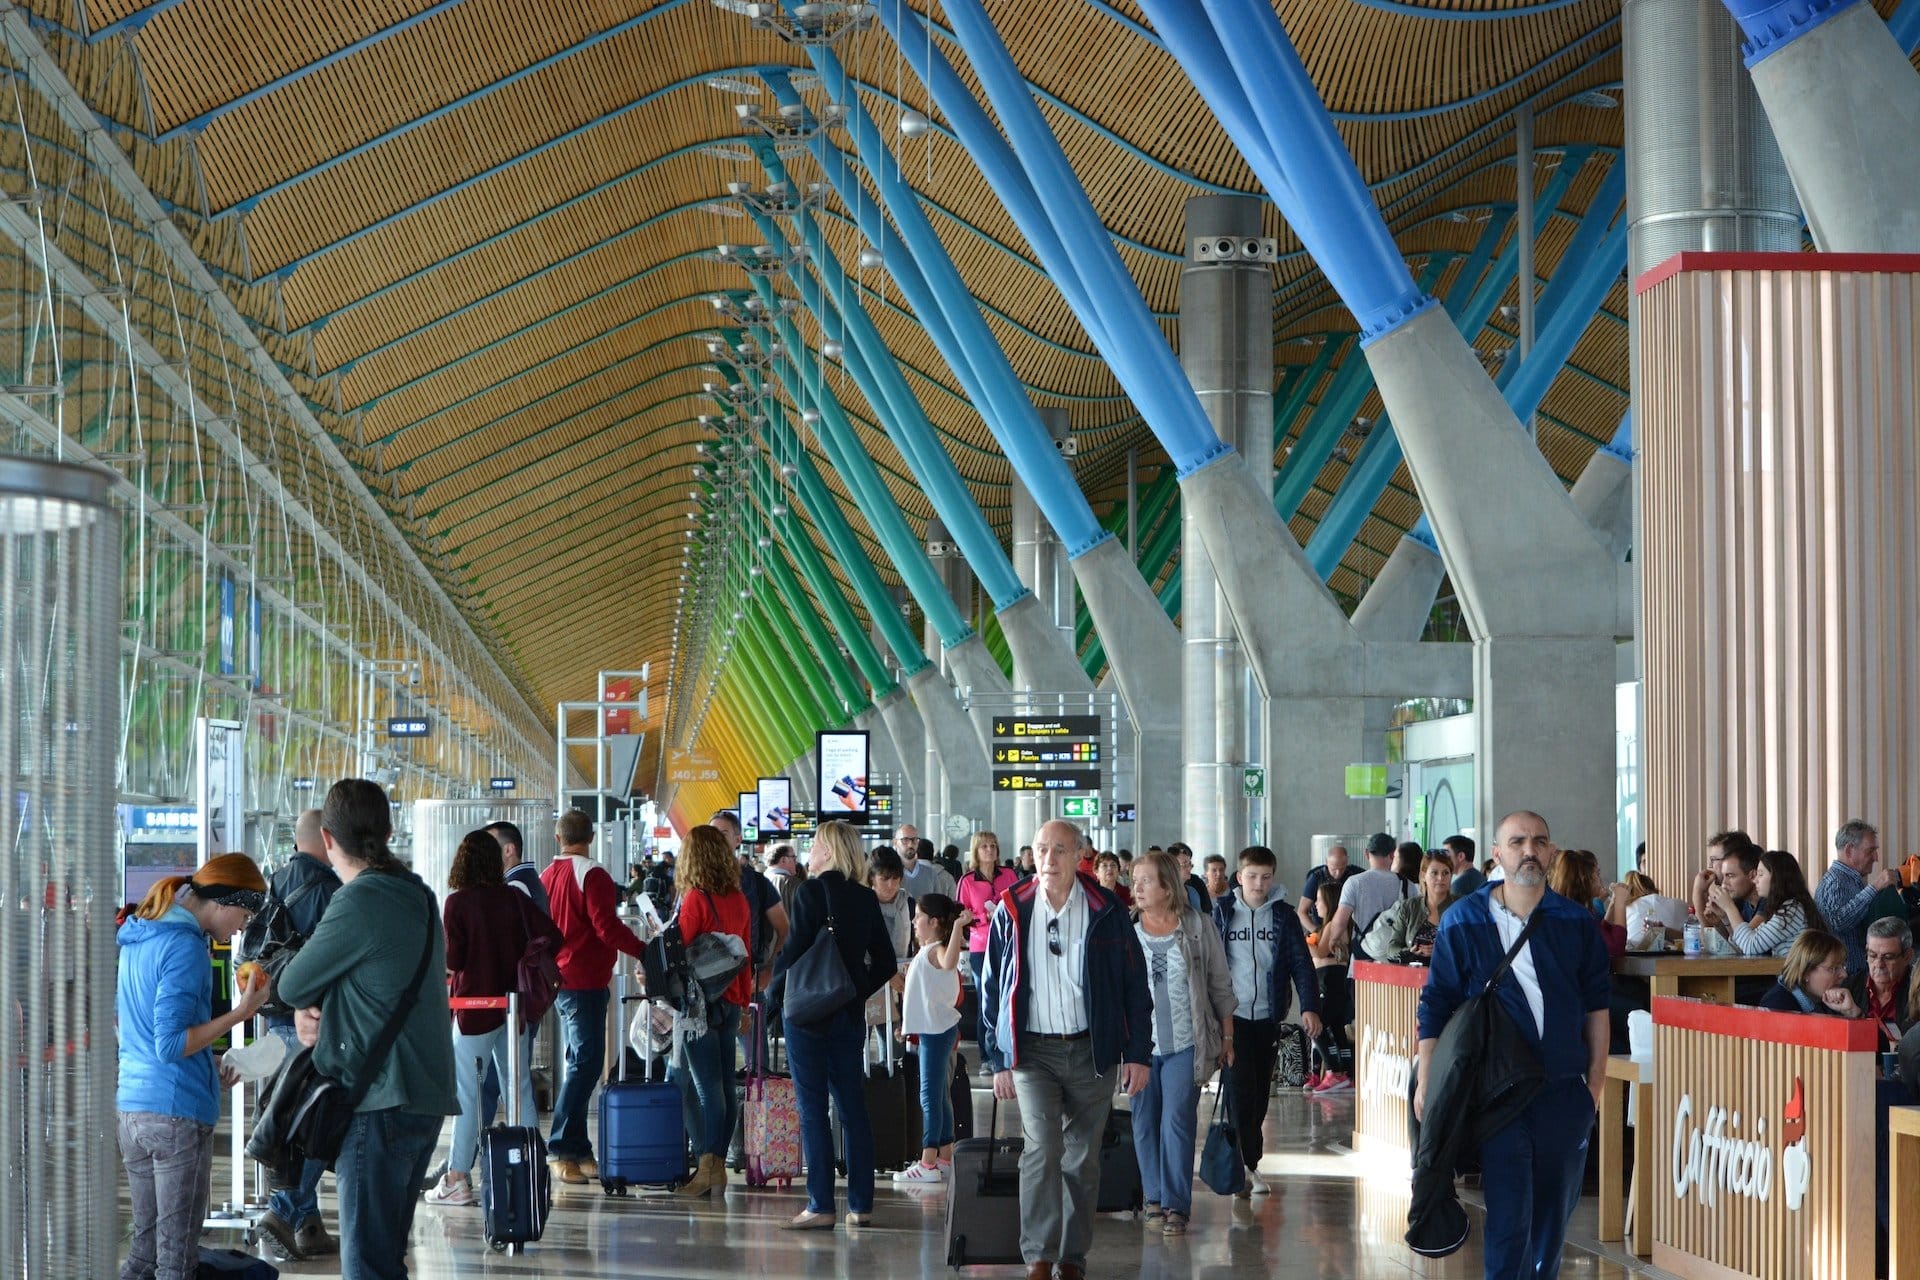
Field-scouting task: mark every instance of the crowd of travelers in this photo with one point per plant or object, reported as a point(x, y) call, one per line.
point(1079, 973)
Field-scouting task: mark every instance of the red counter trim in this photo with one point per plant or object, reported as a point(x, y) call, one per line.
point(1858, 263)
point(1808, 1030)
point(1390, 975)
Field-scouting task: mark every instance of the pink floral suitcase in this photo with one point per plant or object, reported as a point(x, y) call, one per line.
point(772, 1122)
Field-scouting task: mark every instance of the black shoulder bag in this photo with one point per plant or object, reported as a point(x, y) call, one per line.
point(306, 1113)
point(818, 984)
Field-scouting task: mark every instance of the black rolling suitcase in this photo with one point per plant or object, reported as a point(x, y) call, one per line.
point(1120, 1190)
point(983, 1202)
point(517, 1192)
point(892, 1088)
point(960, 1094)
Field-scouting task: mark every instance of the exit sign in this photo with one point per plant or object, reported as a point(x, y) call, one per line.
point(1080, 807)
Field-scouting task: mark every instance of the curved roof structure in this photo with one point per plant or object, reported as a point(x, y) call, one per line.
point(477, 236)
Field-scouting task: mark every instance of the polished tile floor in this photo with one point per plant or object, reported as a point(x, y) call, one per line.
point(1332, 1216)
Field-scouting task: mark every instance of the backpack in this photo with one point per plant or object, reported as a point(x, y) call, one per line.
point(270, 940)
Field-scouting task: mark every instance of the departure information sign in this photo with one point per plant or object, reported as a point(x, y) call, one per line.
point(409, 727)
point(1058, 753)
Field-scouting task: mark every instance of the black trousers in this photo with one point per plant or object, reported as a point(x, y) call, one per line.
point(1336, 1013)
point(1256, 1047)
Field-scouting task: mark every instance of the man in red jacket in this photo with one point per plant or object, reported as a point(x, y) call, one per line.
point(585, 905)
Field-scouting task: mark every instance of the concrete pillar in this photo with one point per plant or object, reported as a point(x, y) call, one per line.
point(1143, 656)
point(1845, 103)
point(1226, 348)
point(968, 666)
point(906, 740)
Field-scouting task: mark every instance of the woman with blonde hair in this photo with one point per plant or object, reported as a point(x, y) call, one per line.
point(168, 1097)
point(825, 1055)
point(1814, 978)
point(706, 882)
point(1193, 1007)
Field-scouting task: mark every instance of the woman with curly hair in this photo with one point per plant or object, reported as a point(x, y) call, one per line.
point(706, 881)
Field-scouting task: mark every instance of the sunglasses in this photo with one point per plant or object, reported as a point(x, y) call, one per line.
point(1053, 936)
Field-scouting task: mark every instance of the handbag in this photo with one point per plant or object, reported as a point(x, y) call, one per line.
point(306, 1112)
point(818, 984)
point(537, 977)
point(1221, 1167)
point(232, 1264)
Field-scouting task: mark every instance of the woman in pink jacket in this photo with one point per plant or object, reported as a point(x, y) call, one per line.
point(979, 890)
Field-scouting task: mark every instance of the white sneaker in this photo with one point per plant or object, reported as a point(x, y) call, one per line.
point(1256, 1184)
point(919, 1175)
point(449, 1192)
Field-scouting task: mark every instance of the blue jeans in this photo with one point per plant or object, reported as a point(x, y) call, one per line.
point(470, 1054)
point(1164, 1116)
point(936, 1080)
point(379, 1171)
point(583, 1029)
point(826, 1059)
point(709, 1104)
point(294, 1205)
point(1531, 1172)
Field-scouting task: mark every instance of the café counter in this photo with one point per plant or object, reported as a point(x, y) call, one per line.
point(1763, 1142)
point(1386, 998)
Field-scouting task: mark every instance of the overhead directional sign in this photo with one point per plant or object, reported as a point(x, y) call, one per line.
point(409, 727)
point(1043, 780)
point(1016, 727)
point(1073, 753)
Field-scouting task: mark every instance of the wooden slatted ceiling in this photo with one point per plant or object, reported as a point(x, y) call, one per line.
point(499, 387)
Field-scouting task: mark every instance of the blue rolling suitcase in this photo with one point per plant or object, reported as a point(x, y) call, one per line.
point(516, 1195)
point(643, 1140)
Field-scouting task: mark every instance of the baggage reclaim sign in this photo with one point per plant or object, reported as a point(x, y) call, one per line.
point(1058, 754)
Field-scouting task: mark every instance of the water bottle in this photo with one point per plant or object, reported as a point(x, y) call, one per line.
point(1690, 937)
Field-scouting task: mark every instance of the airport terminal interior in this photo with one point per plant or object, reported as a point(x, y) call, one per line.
point(1454, 450)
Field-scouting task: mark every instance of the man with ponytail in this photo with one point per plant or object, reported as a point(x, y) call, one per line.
point(168, 1097)
point(353, 975)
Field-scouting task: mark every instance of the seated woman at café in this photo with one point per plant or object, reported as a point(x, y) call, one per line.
point(1403, 933)
point(1576, 875)
point(1649, 910)
point(1813, 980)
point(1786, 907)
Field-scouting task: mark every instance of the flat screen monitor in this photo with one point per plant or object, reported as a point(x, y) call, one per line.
point(776, 808)
point(842, 782)
point(749, 817)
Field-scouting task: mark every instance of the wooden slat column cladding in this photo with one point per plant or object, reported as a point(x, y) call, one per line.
point(1762, 1144)
point(1385, 1044)
point(1781, 548)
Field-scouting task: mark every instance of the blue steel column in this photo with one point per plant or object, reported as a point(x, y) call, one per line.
point(1538, 588)
point(1121, 603)
point(1301, 644)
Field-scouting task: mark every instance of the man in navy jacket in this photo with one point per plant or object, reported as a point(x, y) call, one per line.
point(1063, 1001)
point(1556, 994)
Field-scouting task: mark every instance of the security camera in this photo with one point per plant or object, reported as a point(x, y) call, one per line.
point(413, 674)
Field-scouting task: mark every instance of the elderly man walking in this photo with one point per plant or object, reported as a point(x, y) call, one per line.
point(1063, 1002)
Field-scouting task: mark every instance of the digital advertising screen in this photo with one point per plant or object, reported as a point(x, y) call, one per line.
point(776, 808)
point(842, 778)
point(749, 817)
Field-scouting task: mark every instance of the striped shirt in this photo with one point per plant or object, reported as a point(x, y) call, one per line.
point(1775, 937)
point(1056, 984)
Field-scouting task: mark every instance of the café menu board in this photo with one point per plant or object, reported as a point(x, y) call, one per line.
point(776, 807)
point(843, 768)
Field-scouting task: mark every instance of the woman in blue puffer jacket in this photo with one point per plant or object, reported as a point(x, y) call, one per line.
point(168, 1097)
